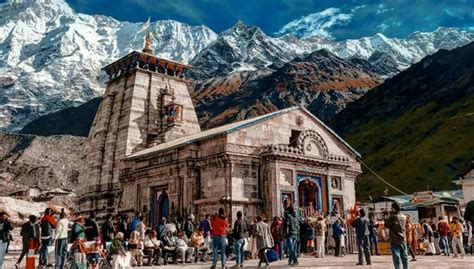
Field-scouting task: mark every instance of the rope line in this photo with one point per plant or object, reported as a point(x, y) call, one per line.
point(383, 180)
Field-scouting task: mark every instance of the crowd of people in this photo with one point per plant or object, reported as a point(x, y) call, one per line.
point(122, 242)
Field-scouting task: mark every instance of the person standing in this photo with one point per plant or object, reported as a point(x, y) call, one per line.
point(304, 236)
point(240, 228)
point(123, 226)
point(205, 225)
point(61, 240)
point(28, 234)
point(107, 230)
point(361, 225)
point(373, 236)
point(337, 233)
point(78, 229)
point(396, 224)
point(276, 228)
point(456, 229)
point(47, 225)
point(219, 226)
point(92, 227)
point(467, 236)
point(264, 239)
point(443, 230)
point(252, 240)
point(141, 228)
point(189, 226)
point(410, 235)
point(5, 228)
point(135, 221)
point(436, 237)
point(293, 229)
point(320, 230)
point(429, 235)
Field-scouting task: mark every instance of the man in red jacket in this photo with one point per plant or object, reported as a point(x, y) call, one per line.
point(47, 224)
point(443, 229)
point(219, 226)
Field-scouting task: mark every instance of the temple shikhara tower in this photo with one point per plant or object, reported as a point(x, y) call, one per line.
point(146, 152)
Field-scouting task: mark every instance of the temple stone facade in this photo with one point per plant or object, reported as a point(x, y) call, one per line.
point(146, 152)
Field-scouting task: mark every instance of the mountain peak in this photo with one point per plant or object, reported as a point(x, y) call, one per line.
point(242, 29)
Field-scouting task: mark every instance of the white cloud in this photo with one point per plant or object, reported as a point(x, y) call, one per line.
point(316, 23)
point(382, 27)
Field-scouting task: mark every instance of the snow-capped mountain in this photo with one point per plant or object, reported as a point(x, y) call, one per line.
point(244, 47)
point(51, 56)
point(405, 52)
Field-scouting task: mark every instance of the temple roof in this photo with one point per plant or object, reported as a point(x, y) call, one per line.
point(230, 128)
point(130, 58)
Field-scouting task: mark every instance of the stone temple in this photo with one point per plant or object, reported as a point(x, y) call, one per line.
point(146, 152)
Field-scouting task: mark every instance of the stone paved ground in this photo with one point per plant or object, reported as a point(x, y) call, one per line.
point(385, 262)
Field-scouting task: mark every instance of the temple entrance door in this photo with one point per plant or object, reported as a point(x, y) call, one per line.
point(309, 197)
point(160, 206)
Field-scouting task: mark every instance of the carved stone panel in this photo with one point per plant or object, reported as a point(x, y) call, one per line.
point(286, 177)
point(336, 183)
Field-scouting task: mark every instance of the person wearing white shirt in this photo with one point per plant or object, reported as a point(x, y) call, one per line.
point(183, 249)
point(152, 248)
point(61, 240)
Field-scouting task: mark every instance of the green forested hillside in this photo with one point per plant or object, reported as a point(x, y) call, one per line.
point(417, 129)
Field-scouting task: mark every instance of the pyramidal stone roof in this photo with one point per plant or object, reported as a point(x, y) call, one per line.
point(227, 129)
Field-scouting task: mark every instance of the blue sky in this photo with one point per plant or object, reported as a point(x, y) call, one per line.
point(337, 19)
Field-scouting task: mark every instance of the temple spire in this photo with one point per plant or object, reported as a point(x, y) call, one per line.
point(147, 49)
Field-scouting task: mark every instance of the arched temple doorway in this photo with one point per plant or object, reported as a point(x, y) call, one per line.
point(160, 206)
point(309, 196)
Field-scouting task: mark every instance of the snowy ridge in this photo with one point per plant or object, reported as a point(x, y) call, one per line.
point(51, 56)
point(245, 47)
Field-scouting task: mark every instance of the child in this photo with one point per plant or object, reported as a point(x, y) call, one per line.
point(95, 252)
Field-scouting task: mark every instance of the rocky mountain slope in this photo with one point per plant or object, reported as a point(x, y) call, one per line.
point(417, 128)
point(45, 162)
point(320, 81)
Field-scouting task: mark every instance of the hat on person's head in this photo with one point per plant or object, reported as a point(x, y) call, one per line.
point(80, 219)
point(191, 217)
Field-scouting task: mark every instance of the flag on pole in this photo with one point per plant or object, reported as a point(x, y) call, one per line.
point(145, 25)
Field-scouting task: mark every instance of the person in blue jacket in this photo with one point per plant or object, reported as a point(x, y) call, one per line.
point(337, 233)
